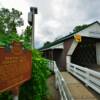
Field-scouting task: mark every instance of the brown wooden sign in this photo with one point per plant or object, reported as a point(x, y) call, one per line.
point(15, 67)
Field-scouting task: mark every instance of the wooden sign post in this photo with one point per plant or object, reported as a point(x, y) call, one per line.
point(15, 97)
point(15, 92)
point(15, 68)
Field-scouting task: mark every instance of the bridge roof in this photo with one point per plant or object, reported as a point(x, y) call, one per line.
point(65, 38)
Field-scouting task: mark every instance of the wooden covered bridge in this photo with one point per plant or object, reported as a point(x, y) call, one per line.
point(78, 56)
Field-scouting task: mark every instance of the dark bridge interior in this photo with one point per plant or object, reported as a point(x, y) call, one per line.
point(85, 53)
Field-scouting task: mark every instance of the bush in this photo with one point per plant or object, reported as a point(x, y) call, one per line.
point(36, 88)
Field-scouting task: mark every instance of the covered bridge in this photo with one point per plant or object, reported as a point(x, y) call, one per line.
point(81, 48)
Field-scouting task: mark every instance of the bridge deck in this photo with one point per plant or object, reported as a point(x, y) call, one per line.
point(78, 90)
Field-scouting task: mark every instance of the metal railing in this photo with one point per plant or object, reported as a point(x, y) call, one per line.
point(60, 82)
point(90, 77)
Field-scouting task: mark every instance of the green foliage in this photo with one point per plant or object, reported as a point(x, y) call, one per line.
point(36, 88)
point(6, 96)
point(7, 39)
point(79, 28)
point(46, 43)
point(9, 20)
point(28, 31)
point(26, 37)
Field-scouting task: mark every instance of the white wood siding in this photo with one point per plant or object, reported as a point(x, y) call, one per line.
point(58, 46)
point(98, 53)
point(92, 31)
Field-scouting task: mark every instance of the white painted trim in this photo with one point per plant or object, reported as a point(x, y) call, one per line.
point(60, 84)
point(92, 31)
point(68, 60)
point(72, 48)
point(91, 35)
point(58, 46)
point(90, 77)
point(98, 53)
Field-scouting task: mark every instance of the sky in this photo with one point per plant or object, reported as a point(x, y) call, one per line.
point(55, 18)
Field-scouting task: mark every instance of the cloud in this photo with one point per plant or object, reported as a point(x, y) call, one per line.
point(90, 8)
point(57, 17)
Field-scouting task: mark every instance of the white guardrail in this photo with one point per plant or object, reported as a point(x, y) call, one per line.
point(60, 82)
point(89, 77)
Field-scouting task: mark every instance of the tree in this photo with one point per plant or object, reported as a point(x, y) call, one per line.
point(26, 36)
point(79, 28)
point(46, 43)
point(28, 33)
point(36, 88)
point(10, 20)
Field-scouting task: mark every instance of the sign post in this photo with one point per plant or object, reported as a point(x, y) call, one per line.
point(15, 93)
point(15, 97)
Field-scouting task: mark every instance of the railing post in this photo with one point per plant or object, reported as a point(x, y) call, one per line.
point(74, 70)
point(61, 97)
point(90, 77)
point(56, 81)
point(68, 60)
point(87, 78)
point(60, 84)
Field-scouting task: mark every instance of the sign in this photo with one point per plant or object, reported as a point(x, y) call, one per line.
point(15, 67)
point(78, 38)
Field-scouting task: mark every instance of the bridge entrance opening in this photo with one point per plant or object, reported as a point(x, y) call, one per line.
point(86, 53)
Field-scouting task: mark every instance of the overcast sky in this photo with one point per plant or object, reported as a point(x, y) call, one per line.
point(56, 18)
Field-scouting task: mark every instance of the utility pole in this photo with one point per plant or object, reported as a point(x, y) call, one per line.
point(31, 21)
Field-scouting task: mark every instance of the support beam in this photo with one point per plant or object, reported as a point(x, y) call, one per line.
point(70, 52)
point(98, 53)
point(72, 47)
point(68, 60)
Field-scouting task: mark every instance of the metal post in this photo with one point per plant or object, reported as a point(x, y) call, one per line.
point(33, 23)
point(15, 92)
point(52, 59)
point(15, 97)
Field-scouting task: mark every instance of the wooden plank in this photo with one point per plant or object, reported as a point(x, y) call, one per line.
point(77, 89)
point(69, 78)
